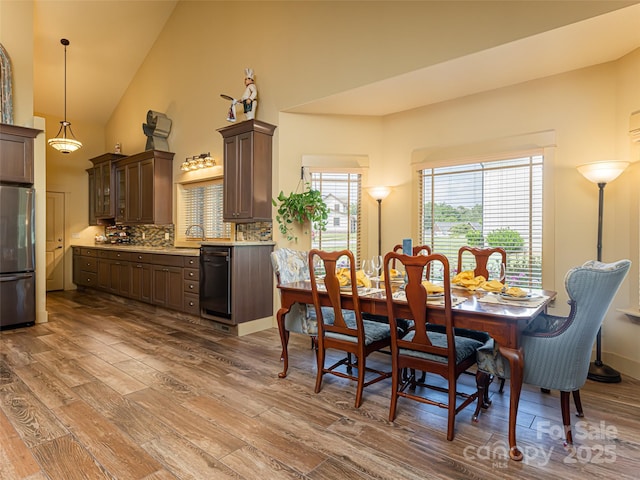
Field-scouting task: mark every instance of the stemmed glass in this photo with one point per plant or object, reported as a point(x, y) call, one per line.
point(498, 271)
point(367, 268)
point(376, 261)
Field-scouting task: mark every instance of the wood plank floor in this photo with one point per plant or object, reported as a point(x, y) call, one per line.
point(115, 389)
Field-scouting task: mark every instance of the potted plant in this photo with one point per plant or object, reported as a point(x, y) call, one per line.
point(300, 207)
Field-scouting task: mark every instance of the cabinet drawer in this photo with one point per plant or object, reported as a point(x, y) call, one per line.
point(117, 255)
point(87, 264)
point(191, 286)
point(89, 279)
point(141, 257)
point(191, 262)
point(192, 274)
point(191, 304)
point(169, 260)
point(86, 252)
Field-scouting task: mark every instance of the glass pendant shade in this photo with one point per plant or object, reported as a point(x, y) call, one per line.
point(62, 142)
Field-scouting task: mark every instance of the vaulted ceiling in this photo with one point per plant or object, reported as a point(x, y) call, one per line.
point(110, 40)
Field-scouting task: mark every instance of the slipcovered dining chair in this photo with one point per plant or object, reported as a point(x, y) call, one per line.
point(346, 330)
point(481, 258)
point(444, 353)
point(557, 350)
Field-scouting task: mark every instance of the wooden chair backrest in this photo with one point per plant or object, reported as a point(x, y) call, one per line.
point(481, 256)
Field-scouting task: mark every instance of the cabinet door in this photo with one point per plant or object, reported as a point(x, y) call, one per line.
point(147, 194)
point(121, 194)
point(120, 278)
point(167, 287)
point(103, 181)
point(141, 282)
point(231, 178)
point(92, 196)
point(104, 274)
point(132, 196)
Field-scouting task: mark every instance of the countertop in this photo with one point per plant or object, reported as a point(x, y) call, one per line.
point(186, 251)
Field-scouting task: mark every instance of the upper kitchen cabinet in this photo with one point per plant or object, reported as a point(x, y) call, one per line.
point(144, 187)
point(247, 171)
point(16, 153)
point(101, 187)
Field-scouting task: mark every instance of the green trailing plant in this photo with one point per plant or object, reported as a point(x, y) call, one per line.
point(299, 207)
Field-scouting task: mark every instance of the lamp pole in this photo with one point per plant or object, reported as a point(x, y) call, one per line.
point(379, 200)
point(598, 371)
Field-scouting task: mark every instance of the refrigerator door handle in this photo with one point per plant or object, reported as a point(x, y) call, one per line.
point(13, 278)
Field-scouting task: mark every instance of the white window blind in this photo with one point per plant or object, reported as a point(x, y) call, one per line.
point(342, 192)
point(491, 203)
point(202, 206)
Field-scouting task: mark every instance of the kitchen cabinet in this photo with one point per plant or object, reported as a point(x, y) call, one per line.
point(165, 280)
point(144, 187)
point(16, 153)
point(85, 267)
point(247, 171)
point(101, 187)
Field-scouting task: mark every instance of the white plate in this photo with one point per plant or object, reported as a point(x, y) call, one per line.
point(435, 295)
point(504, 296)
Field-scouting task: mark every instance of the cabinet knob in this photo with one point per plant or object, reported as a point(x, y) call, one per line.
point(191, 286)
point(191, 274)
point(191, 304)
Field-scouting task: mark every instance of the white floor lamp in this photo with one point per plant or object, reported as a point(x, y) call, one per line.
point(602, 173)
point(379, 194)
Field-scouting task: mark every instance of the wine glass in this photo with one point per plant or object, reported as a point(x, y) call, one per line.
point(498, 271)
point(367, 268)
point(376, 261)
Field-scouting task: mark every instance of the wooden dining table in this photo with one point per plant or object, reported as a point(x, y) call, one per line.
point(503, 320)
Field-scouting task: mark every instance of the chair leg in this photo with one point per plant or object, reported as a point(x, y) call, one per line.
point(451, 408)
point(360, 388)
point(545, 390)
point(501, 389)
point(395, 384)
point(482, 383)
point(576, 400)
point(320, 357)
point(566, 416)
point(314, 342)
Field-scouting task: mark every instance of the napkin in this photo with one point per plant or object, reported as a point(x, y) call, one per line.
point(515, 292)
point(393, 272)
point(344, 277)
point(466, 279)
point(432, 287)
point(492, 286)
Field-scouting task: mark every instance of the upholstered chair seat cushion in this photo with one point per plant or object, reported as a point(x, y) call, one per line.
point(465, 346)
point(373, 331)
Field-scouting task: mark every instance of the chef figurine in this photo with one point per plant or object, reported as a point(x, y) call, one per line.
point(248, 100)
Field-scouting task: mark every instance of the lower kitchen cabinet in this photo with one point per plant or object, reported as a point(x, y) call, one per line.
point(165, 280)
point(167, 286)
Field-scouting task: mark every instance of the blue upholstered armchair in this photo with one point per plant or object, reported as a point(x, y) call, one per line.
point(293, 266)
point(557, 350)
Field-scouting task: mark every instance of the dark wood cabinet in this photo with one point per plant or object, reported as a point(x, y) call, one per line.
point(16, 153)
point(101, 187)
point(168, 286)
point(247, 171)
point(144, 187)
point(169, 281)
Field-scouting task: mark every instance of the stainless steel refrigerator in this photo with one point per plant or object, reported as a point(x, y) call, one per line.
point(17, 256)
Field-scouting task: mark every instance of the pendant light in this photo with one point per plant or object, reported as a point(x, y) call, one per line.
point(61, 142)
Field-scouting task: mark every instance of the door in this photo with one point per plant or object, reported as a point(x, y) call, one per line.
point(55, 241)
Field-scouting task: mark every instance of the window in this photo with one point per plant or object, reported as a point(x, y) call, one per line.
point(344, 192)
point(494, 203)
point(201, 206)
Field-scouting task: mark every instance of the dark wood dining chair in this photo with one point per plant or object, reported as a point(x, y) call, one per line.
point(442, 353)
point(416, 251)
point(346, 330)
point(481, 257)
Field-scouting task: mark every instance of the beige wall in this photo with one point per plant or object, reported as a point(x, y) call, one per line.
point(189, 67)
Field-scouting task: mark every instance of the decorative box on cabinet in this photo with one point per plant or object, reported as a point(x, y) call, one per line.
point(144, 186)
point(247, 171)
point(16, 153)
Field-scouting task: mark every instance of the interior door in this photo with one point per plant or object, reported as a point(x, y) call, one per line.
point(55, 241)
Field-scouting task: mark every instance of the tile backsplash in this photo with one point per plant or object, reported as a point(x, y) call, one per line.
point(142, 235)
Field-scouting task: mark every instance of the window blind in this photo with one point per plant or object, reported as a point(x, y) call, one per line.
point(202, 204)
point(342, 192)
point(491, 203)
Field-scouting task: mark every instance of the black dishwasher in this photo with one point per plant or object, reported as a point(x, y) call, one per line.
point(215, 282)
